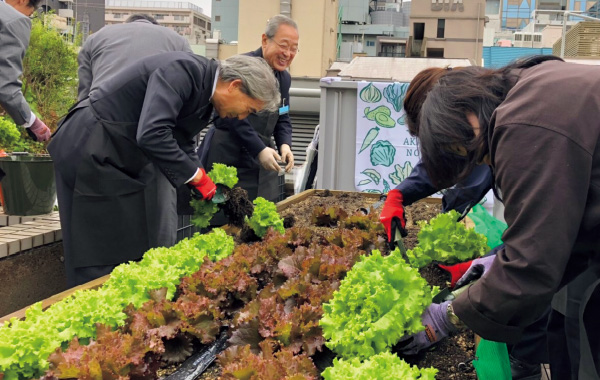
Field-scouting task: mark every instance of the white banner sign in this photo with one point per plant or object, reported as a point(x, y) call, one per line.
point(385, 152)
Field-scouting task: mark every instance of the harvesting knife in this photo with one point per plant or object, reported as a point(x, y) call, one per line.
point(398, 237)
point(219, 197)
point(396, 230)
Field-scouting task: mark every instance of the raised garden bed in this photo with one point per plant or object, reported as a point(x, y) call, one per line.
point(282, 289)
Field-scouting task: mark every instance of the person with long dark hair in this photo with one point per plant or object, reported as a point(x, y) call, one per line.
point(526, 355)
point(538, 127)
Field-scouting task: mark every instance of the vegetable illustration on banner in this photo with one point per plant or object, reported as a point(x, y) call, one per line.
point(385, 151)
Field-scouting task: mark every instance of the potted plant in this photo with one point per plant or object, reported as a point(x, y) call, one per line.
point(50, 87)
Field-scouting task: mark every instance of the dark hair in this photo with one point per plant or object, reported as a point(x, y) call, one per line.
point(35, 3)
point(443, 121)
point(418, 88)
point(141, 16)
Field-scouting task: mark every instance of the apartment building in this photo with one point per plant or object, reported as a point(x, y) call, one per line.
point(225, 20)
point(373, 28)
point(185, 18)
point(88, 13)
point(447, 29)
point(317, 23)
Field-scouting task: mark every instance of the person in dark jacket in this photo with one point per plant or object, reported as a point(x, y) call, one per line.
point(247, 144)
point(537, 127)
point(15, 28)
point(113, 48)
point(526, 355)
point(105, 149)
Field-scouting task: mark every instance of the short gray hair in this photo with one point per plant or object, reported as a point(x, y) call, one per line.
point(258, 80)
point(275, 22)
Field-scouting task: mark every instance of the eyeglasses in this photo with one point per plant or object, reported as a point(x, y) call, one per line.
point(286, 47)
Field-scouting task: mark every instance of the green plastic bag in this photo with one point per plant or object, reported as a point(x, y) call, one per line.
point(491, 361)
point(487, 225)
point(491, 358)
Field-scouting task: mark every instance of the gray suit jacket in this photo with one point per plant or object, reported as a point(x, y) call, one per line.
point(14, 39)
point(115, 47)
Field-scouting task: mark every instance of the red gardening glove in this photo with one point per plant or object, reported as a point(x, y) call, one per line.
point(39, 131)
point(393, 214)
point(456, 271)
point(205, 186)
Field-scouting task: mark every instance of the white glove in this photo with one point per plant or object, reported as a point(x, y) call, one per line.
point(268, 158)
point(287, 156)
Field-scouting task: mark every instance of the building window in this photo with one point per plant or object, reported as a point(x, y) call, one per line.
point(518, 37)
point(370, 43)
point(217, 18)
point(159, 16)
point(527, 37)
point(419, 30)
point(441, 27)
point(117, 15)
point(435, 53)
point(537, 38)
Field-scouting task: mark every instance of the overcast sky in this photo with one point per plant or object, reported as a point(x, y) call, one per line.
point(204, 4)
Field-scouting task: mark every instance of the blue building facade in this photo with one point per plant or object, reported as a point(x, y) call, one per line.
point(496, 56)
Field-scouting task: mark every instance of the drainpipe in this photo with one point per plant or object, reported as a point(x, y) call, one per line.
point(285, 7)
point(477, 36)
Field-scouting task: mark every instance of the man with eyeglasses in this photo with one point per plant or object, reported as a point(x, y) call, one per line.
point(246, 144)
point(15, 28)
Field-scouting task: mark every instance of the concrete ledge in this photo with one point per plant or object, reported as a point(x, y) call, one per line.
point(20, 233)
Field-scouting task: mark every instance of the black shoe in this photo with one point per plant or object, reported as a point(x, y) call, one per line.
point(521, 370)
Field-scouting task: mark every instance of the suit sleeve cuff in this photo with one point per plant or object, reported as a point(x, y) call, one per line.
point(192, 177)
point(32, 118)
point(482, 325)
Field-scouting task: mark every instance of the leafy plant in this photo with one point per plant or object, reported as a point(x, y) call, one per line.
point(445, 240)
point(9, 134)
point(205, 210)
point(264, 216)
point(15, 139)
point(241, 363)
point(384, 366)
point(49, 73)
point(380, 300)
point(328, 217)
point(223, 174)
point(25, 345)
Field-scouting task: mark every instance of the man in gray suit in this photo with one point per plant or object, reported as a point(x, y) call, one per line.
point(15, 28)
point(114, 47)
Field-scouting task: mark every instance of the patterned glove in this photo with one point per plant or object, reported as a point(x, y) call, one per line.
point(39, 131)
point(437, 327)
point(478, 267)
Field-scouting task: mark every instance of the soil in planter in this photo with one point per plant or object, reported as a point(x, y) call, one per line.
point(451, 357)
point(237, 206)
